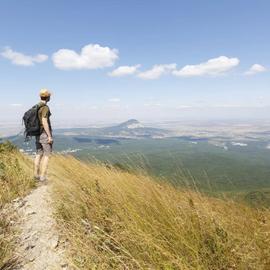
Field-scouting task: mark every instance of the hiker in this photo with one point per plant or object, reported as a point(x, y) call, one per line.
point(44, 141)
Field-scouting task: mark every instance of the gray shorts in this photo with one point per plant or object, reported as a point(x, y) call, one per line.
point(42, 145)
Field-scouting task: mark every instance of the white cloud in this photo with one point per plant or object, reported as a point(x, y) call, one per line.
point(92, 56)
point(212, 67)
point(254, 69)
point(124, 71)
point(114, 100)
point(21, 59)
point(156, 71)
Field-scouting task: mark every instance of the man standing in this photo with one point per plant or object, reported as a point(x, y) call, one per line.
point(44, 141)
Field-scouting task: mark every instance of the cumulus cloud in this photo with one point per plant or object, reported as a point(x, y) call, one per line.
point(21, 59)
point(212, 67)
point(92, 56)
point(254, 69)
point(124, 71)
point(156, 71)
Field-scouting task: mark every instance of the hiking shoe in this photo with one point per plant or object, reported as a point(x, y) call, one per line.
point(42, 179)
point(36, 178)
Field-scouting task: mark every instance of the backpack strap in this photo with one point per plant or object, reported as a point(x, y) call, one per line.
point(40, 105)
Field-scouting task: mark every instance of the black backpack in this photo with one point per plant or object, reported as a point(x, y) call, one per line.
point(31, 122)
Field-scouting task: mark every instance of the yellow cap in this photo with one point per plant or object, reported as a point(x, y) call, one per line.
point(44, 93)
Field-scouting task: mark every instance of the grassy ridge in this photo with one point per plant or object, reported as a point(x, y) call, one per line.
point(15, 181)
point(118, 220)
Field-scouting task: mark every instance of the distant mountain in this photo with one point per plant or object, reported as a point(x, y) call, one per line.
point(129, 129)
point(130, 124)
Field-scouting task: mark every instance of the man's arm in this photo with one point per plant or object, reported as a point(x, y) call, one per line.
point(47, 129)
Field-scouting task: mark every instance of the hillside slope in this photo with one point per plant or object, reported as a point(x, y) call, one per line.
point(117, 220)
point(113, 219)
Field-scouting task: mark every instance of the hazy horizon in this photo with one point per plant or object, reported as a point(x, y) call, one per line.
point(10, 128)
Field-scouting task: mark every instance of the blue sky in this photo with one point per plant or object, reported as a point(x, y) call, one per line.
point(151, 60)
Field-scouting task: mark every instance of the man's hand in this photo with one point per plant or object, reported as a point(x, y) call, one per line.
point(50, 140)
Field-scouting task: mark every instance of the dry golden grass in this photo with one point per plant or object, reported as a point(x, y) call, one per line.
point(117, 220)
point(15, 181)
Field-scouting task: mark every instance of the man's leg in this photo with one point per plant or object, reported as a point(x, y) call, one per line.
point(47, 150)
point(37, 165)
point(44, 167)
point(38, 158)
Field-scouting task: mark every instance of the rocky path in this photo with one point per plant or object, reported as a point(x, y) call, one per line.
point(39, 247)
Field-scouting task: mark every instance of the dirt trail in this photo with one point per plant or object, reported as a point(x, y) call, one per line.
point(39, 247)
